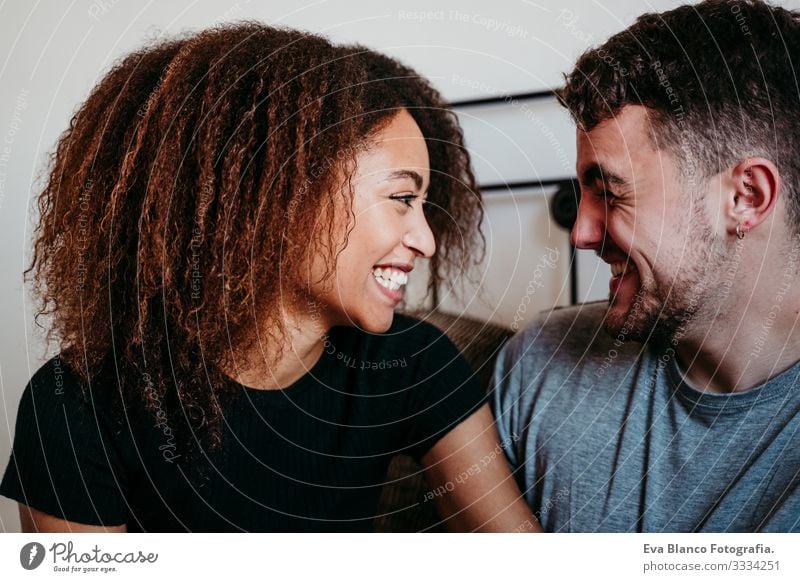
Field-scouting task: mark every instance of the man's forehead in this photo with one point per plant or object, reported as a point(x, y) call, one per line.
point(629, 129)
point(618, 144)
point(601, 159)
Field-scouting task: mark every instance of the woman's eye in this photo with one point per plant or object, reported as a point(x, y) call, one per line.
point(405, 198)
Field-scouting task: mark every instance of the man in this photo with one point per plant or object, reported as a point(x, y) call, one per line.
point(684, 416)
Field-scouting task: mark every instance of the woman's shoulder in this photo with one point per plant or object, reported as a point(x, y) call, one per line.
point(55, 374)
point(56, 385)
point(54, 379)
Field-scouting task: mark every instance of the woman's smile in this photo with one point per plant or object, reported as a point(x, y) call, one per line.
point(392, 280)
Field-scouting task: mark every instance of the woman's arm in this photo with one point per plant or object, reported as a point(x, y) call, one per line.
point(470, 480)
point(34, 521)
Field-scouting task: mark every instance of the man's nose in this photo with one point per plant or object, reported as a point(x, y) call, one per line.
point(589, 228)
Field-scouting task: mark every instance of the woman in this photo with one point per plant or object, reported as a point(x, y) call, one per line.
point(229, 223)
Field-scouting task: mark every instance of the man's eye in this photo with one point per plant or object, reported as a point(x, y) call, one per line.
point(608, 196)
point(406, 198)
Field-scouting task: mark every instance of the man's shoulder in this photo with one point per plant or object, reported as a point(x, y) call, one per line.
point(574, 318)
point(572, 343)
point(567, 328)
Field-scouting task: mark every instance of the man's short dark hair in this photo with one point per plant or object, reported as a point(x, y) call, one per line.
point(720, 78)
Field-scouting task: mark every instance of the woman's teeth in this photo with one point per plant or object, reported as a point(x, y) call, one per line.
point(618, 269)
point(390, 278)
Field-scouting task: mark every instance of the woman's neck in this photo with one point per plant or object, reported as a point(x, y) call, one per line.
point(274, 367)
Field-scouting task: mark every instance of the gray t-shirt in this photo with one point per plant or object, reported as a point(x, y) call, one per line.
point(605, 436)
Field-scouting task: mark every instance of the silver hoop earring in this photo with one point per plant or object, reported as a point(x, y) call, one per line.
point(739, 232)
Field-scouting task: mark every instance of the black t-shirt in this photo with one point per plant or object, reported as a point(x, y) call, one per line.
point(310, 457)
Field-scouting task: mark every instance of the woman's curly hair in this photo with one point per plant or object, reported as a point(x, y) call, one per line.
point(185, 196)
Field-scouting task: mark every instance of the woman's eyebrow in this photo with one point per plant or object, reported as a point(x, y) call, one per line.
point(403, 174)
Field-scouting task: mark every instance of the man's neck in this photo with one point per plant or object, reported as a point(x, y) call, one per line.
point(734, 354)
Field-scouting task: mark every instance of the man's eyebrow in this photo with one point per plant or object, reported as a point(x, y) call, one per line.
point(597, 173)
point(403, 174)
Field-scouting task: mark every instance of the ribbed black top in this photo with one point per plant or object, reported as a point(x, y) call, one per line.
point(310, 457)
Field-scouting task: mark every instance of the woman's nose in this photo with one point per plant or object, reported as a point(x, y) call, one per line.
point(419, 237)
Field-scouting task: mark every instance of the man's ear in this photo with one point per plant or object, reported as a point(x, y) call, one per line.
point(756, 186)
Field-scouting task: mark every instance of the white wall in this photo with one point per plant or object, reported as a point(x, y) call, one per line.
point(54, 52)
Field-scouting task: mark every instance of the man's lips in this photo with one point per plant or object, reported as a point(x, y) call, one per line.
point(622, 268)
point(618, 261)
point(621, 272)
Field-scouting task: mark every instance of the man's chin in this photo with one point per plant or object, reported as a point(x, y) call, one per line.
point(615, 324)
point(627, 321)
point(642, 322)
point(628, 333)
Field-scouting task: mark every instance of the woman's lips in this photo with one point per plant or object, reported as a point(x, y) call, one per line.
point(396, 295)
point(391, 280)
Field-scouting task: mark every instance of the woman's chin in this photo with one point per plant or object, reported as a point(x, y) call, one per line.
point(375, 323)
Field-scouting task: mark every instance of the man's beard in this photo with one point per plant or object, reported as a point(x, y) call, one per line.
point(666, 310)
